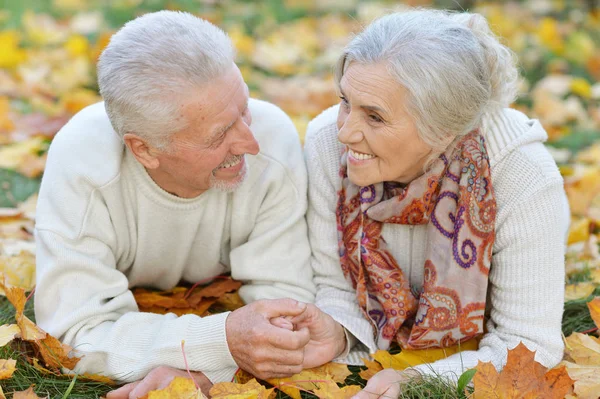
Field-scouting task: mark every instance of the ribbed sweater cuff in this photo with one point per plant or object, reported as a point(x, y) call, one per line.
point(212, 339)
point(222, 375)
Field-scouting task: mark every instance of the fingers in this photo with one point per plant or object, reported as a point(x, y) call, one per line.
point(280, 307)
point(150, 384)
point(283, 322)
point(290, 340)
point(123, 392)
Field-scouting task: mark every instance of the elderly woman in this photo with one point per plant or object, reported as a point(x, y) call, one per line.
point(436, 215)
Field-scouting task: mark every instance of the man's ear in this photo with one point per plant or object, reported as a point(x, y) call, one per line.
point(141, 150)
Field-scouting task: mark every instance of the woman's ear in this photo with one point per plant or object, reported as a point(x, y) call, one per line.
point(142, 151)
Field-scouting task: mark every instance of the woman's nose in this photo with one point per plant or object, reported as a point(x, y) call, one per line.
point(349, 132)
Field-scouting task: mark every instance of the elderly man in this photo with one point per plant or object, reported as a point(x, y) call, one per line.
point(166, 181)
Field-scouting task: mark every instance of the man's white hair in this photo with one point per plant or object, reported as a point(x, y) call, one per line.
point(453, 67)
point(152, 63)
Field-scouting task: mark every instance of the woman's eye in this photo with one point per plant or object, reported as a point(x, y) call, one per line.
point(375, 118)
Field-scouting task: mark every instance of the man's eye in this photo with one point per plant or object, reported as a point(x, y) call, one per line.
point(345, 102)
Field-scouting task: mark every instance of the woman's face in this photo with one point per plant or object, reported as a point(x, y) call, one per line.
point(382, 140)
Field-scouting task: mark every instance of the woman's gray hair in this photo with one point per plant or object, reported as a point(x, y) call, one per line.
point(453, 67)
point(152, 63)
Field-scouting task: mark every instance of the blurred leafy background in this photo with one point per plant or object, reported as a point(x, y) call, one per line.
point(286, 49)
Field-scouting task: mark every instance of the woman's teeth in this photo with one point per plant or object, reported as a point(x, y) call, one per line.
point(361, 156)
point(231, 163)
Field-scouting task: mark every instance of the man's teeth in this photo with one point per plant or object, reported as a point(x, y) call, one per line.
point(231, 163)
point(361, 156)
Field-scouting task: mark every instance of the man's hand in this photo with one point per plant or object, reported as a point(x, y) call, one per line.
point(386, 384)
point(327, 337)
point(158, 378)
point(261, 348)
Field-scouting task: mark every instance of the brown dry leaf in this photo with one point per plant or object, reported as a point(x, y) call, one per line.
point(8, 333)
point(230, 301)
point(180, 300)
point(521, 377)
point(372, 369)
point(307, 380)
point(27, 394)
point(242, 377)
point(594, 307)
point(7, 368)
point(251, 389)
point(179, 388)
point(587, 379)
point(216, 289)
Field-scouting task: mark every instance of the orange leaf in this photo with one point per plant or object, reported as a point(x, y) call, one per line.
point(251, 389)
point(27, 394)
point(242, 377)
point(55, 353)
point(7, 368)
point(522, 377)
point(179, 388)
point(230, 301)
point(307, 380)
point(372, 369)
point(594, 307)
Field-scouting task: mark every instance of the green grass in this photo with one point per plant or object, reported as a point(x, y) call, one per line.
point(54, 387)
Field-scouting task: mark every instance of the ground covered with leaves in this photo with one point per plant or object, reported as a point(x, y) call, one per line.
point(286, 49)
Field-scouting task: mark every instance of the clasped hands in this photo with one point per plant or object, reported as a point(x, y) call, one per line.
point(279, 338)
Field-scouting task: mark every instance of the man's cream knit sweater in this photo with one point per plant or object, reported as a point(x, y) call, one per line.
point(526, 282)
point(104, 226)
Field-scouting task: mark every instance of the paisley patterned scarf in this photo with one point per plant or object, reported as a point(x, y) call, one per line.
point(455, 199)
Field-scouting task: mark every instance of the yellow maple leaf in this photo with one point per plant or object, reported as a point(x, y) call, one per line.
point(179, 388)
point(410, 358)
point(583, 349)
point(12, 54)
point(579, 290)
point(372, 369)
point(2, 396)
point(13, 155)
point(8, 333)
point(579, 230)
point(587, 380)
point(522, 377)
point(250, 390)
point(19, 270)
point(7, 368)
point(332, 391)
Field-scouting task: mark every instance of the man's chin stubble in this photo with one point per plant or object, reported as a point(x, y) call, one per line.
point(229, 186)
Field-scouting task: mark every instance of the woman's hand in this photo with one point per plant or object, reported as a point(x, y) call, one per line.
point(327, 336)
point(386, 384)
point(158, 378)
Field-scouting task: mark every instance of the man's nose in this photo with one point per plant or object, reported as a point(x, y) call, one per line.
point(245, 142)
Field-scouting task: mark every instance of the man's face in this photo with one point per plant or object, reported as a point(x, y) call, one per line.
point(210, 152)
